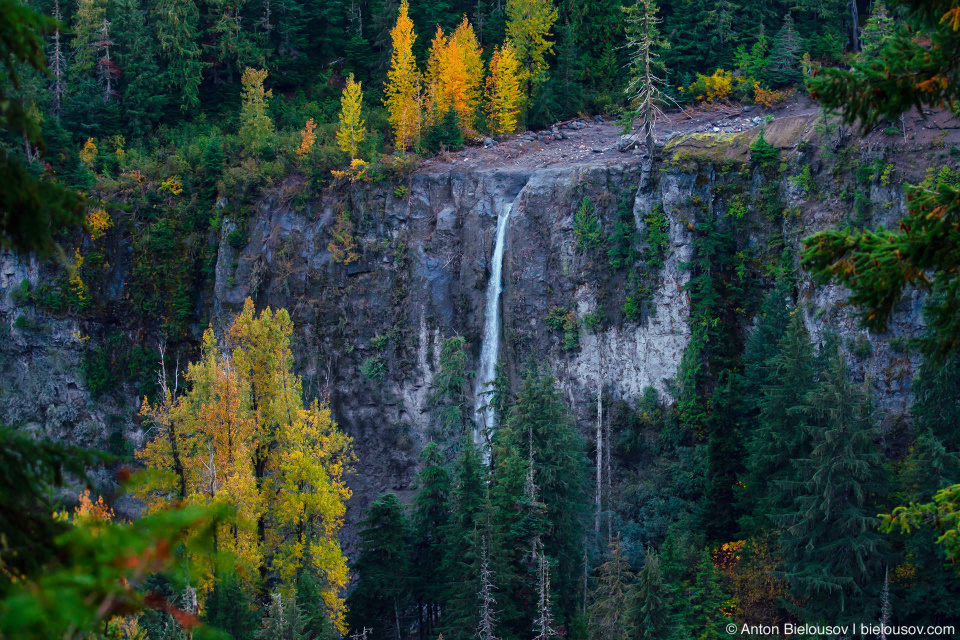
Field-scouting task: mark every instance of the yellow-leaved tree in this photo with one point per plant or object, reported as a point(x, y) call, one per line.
point(528, 27)
point(454, 75)
point(255, 125)
point(351, 132)
point(503, 91)
point(402, 91)
point(241, 437)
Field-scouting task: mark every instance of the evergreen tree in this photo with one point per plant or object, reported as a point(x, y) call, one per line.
point(228, 608)
point(937, 400)
point(451, 389)
point(609, 614)
point(832, 550)
point(430, 522)
point(651, 608)
point(143, 102)
point(382, 571)
point(213, 158)
point(928, 468)
point(177, 32)
point(31, 210)
point(701, 612)
point(762, 343)
point(725, 457)
point(591, 31)
point(284, 620)
point(783, 69)
point(690, 50)
point(781, 436)
point(877, 31)
point(310, 599)
point(721, 20)
point(469, 510)
point(87, 21)
point(539, 491)
point(444, 133)
point(569, 70)
point(57, 63)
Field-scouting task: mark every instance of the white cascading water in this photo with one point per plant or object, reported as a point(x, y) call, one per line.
point(486, 372)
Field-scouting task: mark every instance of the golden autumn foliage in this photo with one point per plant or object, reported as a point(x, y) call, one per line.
point(454, 75)
point(770, 98)
point(119, 147)
point(356, 171)
point(88, 153)
point(503, 91)
point(528, 27)
point(713, 88)
point(351, 132)
point(77, 285)
point(88, 511)
point(241, 438)
point(307, 138)
point(98, 221)
point(402, 91)
point(751, 568)
point(172, 185)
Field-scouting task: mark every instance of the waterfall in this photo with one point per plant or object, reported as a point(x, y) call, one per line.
point(486, 372)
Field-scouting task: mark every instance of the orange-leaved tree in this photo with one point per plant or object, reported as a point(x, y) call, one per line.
point(351, 132)
point(503, 91)
point(402, 91)
point(240, 437)
point(308, 136)
point(454, 75)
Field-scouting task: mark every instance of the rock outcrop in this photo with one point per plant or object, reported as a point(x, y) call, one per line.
point(421, 270)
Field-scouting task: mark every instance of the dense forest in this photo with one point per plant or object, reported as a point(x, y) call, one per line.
point(764, 491)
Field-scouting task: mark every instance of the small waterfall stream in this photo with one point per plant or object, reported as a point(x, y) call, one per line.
point(486, 371)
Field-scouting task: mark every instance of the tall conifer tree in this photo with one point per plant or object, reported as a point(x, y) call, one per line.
point(402, 93)
point(834, 555)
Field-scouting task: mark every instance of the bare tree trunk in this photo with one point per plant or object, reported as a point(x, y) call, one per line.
point(586, 575)
point(544, 621)
point(487, 616)
point(606, 464)
point(855, 15)
point(57, 67)
point(396, 613)
point(599, 496)
point(885, 604)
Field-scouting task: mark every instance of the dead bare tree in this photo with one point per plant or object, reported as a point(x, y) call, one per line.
point(488, 618)
point(543, 625)
point(58, 67)
point(645, 88)
point(885, 604)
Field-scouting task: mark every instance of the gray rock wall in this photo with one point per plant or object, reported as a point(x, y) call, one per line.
point(420, 278)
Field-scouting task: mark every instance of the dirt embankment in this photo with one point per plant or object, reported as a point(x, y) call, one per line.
point(724, 129)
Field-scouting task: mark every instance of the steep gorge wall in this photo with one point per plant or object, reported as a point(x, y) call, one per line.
point(424, 253)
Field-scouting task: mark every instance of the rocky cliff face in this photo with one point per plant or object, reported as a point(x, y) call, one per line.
point(368, 333)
